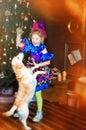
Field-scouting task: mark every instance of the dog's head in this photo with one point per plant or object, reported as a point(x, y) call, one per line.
point(20, 56)
point(17, 61)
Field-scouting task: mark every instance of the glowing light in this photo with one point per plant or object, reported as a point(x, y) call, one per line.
point(48, 8)
point(4, 63)
point(80, 87)
point(75, 7)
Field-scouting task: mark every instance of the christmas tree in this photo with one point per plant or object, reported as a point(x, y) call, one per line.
point(13, 14)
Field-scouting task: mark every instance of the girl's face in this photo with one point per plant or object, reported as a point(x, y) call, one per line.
point(36, 39)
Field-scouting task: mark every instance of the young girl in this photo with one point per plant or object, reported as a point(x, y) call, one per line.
point(41, 57)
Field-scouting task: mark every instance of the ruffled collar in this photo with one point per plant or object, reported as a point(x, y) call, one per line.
point(38, 48)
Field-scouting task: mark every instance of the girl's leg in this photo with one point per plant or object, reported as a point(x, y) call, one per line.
point(39, 99)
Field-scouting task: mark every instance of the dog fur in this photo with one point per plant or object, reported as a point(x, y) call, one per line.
point(27, 84)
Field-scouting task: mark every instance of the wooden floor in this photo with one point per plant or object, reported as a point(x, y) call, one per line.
point(56, 117)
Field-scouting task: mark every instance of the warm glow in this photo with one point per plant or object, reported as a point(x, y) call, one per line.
point(75, 7)
point(80, 89)
point(50, 9)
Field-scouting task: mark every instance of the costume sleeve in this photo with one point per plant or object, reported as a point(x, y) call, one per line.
point(47, 56)
point(27, 45)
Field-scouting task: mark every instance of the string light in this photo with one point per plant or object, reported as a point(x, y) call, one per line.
point(15, 6)
point(11, 48)
point(27, 4)
point(4, 62)
point(6, 36)
point(4, 54)
point(10, 58)
point(1, 40)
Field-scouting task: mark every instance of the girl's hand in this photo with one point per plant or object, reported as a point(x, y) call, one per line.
point(34, 63)
point(40, 64)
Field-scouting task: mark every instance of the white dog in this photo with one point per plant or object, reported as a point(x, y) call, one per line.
point(27, 84)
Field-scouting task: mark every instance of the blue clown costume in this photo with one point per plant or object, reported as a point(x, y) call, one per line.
point(43, 80)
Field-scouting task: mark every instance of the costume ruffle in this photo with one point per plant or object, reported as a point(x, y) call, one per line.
point(47, 56)
point(44, 80)
point(27, 45)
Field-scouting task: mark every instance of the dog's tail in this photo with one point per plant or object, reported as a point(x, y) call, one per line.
point(10, 112)
point(38, 72)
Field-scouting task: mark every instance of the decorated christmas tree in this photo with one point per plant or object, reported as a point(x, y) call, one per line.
point(13, 14)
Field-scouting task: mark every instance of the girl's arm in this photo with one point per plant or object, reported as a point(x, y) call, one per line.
point(18, 39)
point(47, 62)
point(44, 63)
point(19, 32)
point(41, 64)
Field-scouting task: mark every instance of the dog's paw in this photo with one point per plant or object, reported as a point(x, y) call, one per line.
point(27, 128)
point(16, 115)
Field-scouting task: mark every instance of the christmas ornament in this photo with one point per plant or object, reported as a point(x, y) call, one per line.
point(19, 31)
point(7, 13)
point(22, 15)
point(0, 1)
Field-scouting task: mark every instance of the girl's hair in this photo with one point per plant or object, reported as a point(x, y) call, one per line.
point(40, 27)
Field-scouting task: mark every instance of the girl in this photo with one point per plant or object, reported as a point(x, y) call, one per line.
point(41, 57)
